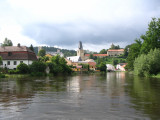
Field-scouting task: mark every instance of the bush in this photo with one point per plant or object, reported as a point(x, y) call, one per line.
point(37, 66)
point(38, 74)
point(147, 65)
point(13, 71)
point(23, 68)
point(103, 67)
point(2, 75)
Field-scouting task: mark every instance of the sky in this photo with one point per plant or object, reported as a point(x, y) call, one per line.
point(63, 23)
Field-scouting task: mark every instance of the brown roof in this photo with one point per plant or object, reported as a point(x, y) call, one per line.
point(99, 55)
point(14, 49)
point(17, 53)
point(116, 50)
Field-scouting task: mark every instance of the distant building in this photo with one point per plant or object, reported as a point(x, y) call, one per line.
point(115, 52)
point(121, 66)
point(96, 55)
point(55, 53)
point(110, 67)
point(14, 55)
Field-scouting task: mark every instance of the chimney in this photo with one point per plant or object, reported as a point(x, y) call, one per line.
point(18, 45)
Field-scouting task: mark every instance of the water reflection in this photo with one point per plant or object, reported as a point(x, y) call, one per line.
point(115, 95)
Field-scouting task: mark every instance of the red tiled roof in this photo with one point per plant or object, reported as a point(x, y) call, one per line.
point(17, 53)
point(99, 55)
point(116, 50)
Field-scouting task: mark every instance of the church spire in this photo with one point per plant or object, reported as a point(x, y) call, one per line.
point(80, 46)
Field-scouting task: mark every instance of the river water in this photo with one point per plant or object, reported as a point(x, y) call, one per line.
point(111, 96)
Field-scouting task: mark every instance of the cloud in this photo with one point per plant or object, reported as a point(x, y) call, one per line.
point(97, 23)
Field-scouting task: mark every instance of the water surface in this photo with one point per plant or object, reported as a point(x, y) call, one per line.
point(113, 96)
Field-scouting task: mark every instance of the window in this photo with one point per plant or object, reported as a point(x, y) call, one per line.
point(15, 62)
point(9, 53)
point(8, 62)
point(21, 61)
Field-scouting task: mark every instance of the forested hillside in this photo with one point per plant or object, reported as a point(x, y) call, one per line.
point(53, 49)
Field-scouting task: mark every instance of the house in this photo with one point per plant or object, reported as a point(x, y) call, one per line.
point(110, 67)
point(115, 52)
point(121, 66)
point(14, 55)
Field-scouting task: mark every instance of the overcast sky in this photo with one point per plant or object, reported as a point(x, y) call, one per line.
point(63, 23)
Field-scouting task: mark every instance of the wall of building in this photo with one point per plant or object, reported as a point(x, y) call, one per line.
point(12, 66)
point(115, 53)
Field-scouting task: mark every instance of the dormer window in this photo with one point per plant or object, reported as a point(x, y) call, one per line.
point(9, 53)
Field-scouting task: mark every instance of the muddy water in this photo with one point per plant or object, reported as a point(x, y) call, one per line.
point(113, 96)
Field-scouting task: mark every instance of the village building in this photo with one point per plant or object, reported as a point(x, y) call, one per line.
point(115, 52)
point(55, 53)
point(121, 66)
point(81, 59)
point(14, 55)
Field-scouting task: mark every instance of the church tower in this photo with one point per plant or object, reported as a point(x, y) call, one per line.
point(80, 51)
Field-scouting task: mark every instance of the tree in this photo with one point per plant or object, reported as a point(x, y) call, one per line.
point(103, 51)
point(102, 67)
point(114, 61)
point(91, 56)
point(151, 39)
point(126, 50)
point(146, 65)
point(0, 60)
point(59, 65)
point(23, 68)
point(42, 53)
point(7, 42)
point(134, 51)
point(37, 66)
point(31, 48)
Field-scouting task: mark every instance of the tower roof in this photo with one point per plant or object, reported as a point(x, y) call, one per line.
point(80, 45)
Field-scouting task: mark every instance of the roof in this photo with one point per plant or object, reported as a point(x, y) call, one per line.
point(116, 50)
point(14, 49)
point(92, 63)
point(89, 60)
point(17, 53)
point(98, 55)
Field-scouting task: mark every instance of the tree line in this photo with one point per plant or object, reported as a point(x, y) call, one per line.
point(143, 55)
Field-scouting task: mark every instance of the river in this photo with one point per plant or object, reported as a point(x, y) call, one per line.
point(111, 96)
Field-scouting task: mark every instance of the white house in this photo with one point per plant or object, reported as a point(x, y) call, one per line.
point(14, 55)
point(121, 66)
point(110, 67)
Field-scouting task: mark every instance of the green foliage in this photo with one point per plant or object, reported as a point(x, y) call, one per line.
point(103, 51)
point(0, 60)
point(38, 74)
point(134, 51)
point(2, 75)
point(7, 42)
point(114, 47)
point(42, 53)
point(102, 67)
point(37, 66)
point(147, 65)
point(114, 61)
point(14, 71)
point(23, 68)
point(44, 58)
point(59, 65)
point(126, 50)
point(151, 39)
